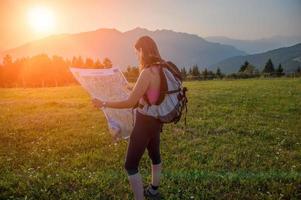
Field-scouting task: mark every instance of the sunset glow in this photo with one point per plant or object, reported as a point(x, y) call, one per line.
point(41, 19)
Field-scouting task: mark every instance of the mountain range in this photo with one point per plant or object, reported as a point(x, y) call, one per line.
point(183, 49)
point(259, 45)
point(288, 57)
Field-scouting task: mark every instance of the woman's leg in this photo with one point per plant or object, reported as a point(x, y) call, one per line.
point(136, 185)
point(153, 148)
point(156, 174)
point(136, 147)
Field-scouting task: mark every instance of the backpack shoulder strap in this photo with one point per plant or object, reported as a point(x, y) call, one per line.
point(163, 86)
point(173, 69)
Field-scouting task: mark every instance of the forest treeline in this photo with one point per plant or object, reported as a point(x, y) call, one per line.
point(44, 71)
point(246, 70)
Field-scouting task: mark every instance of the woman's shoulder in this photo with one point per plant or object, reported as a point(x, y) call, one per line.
point(149, 70)
point(145, 73)
point(153, 69)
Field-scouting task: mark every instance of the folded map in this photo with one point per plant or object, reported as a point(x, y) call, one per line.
point(108, 85)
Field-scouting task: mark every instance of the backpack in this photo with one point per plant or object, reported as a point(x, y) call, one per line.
point(172, 100)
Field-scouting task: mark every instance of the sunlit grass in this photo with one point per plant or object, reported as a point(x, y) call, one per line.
point(242, 140)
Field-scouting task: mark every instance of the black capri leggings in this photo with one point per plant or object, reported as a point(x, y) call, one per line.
point(146, 134)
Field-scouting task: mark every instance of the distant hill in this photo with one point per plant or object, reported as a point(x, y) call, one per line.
point(258, 46)
point(182, 48)
point(289, 57)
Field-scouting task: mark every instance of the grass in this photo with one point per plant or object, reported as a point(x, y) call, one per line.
point(242, 141)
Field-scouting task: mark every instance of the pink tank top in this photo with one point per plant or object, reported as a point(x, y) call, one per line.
point(153, 95)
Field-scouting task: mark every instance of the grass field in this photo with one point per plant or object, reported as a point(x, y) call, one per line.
point(242, 141)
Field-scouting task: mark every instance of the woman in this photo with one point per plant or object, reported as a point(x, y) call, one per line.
point(146, 132)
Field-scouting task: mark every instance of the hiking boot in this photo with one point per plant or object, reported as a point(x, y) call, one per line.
point(149, 194)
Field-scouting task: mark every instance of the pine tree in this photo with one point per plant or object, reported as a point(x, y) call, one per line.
point(195, 71)
point(269, 67)
point(98, 64)
point(218, 73)
point(279, 70)
point(7, 60)
point(77, 61)
point(205, 73)
point(183, 72)
point(250, 69)
point(190, 71)
point(89, 63)
point(107, 63)
point(244, 66)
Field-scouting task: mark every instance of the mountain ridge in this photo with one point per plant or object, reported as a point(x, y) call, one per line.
point(184, 49)
point(257, 45)
point(288, 57)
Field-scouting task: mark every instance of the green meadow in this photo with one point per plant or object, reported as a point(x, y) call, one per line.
point(242, 141)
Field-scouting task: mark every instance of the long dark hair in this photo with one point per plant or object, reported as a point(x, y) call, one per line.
point(150, 52)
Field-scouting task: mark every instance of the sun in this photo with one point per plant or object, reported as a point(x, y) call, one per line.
point(41, 19)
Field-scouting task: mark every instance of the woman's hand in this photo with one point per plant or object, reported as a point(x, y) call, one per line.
point(138, 91)
point(97, 103)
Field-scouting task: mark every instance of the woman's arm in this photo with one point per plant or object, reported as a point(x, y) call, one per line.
point(138, 91)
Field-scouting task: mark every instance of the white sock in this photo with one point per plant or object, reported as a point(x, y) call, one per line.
point(137, 186)
point(156, 174)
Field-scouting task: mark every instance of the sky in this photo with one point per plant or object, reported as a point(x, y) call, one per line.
point(239, 19)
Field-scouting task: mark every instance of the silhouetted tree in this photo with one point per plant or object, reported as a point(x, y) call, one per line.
point(244, 66)
point(279, 70)
point(195, 71)
point(41, 70)
point(250, 69)
point(131, 73)
point(210, 74)
point(7, 60)
point(269, 67)
point(190, 71)
point(98, 64)
point(183, 73)
point(77, 62)
point(1, 75)
point(205, 73)
point(11, 70)
point(89, 63)
point(107, 63)
point(60, 71)
point(219, 73)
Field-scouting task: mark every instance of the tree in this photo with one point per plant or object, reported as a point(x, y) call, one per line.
point(131, 73)
point(219, 73)
point(183, 72)
point(77, 62)
point(190, 71)
point(60, 74)
point(249, 70)
point(89, 63)
point(298, 70)
point(7, 60)
point(244, 66)
point(279, 70)
point(107, 63)
point(205, 73)
point(269, 67)
point(41, 70)
point(98, 64)
point(195, 71)
point(210, 75)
